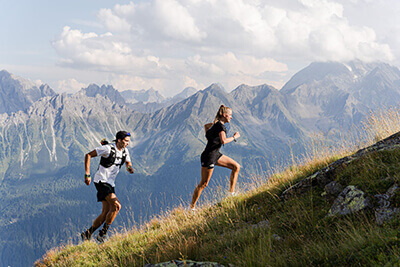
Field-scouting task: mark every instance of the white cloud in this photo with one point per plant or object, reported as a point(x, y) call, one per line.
point(176, 22)
point(113, 22)
point(189, 82)
point(68, 86)
point(228, 40)
point(124, 82)
point(102, 52)
point(248, 65)
point(232, 70)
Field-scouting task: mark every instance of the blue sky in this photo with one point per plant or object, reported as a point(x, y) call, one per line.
point(172, 44)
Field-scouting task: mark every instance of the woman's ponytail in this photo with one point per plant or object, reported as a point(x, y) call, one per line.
point(221, 111)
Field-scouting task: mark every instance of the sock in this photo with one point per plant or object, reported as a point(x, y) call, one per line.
point(92, 229)
point(104, 230)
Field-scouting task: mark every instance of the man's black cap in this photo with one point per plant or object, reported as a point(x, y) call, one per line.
point(121, 135)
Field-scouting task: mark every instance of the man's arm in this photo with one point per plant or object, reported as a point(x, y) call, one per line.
point(129, 167)
point(88, 156)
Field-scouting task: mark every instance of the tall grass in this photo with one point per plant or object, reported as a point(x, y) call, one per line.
point(257, 228)
point(382, 123)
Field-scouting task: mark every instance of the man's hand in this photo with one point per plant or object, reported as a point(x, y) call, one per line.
point(130, 169)
point(87, 179)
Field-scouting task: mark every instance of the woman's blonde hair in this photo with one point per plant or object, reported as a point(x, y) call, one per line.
point(221, 111)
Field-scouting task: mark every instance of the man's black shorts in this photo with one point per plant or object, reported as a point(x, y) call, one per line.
point(103, 190)
point(209, 160)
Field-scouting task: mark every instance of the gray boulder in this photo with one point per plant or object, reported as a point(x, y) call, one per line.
point(385, 211)
point(261, 224)
point(350, 200)
point(188, 263)
point(333, 188)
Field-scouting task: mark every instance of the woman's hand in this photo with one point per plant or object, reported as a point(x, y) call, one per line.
point(236, 135)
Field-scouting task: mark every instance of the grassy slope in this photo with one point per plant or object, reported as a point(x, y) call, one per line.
point(224, 233)
point(299, 233)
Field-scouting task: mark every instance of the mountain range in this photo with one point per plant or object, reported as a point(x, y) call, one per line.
point(45, 135)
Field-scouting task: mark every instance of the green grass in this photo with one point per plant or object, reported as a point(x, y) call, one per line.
point(299, 233)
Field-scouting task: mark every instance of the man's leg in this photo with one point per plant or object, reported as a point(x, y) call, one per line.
point(97, 222)
point(115, 207)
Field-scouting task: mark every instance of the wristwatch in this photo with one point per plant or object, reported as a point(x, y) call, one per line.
point(87, 175)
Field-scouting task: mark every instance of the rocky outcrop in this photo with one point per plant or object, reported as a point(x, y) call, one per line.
point(385, 211)
point(18, 94)
point(349, 201)
point(333, 188)
point(326, 175)
point(180, 263)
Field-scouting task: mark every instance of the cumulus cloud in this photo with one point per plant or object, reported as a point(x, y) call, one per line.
point(102, 52)
point(160, 40)
point(176, 21)
point(68, 86)
point(113, 22)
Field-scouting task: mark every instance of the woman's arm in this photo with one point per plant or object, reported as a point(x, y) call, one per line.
point(225, 140)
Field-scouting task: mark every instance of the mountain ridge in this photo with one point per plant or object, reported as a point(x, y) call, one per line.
point(47, 141)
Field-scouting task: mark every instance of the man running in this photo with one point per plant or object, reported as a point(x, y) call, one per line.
point(113, 156)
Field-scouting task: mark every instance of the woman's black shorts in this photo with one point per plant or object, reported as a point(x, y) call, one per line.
point(209, 160)
point(103, 190)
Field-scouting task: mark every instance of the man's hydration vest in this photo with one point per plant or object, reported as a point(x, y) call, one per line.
point(108, 162)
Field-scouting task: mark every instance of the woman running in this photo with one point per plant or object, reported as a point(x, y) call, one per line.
point(216, 137)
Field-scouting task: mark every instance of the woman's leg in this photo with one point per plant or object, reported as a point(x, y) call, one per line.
point(205, 179)
point(227, 162)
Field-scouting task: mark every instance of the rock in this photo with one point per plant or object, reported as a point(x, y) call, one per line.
point(188, 263)
point(262, 224)
point(265, 225)
point(333, 188)
point(392, 190)
point(350, 200)
point(326, 175)
point(384, 211)
point(276, 237)
point(384, 214)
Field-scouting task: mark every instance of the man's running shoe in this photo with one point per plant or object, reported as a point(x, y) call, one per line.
point(101, 238)
point(86, 235)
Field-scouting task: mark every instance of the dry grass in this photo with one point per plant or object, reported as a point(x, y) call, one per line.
point(225, 232)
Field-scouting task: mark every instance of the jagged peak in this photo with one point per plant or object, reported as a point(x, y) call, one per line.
point(249, 87)
point(217, 87)
point(316, 71)
point(4, 72)
point(107, 91)
point(185, 93)
point(26, 84)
